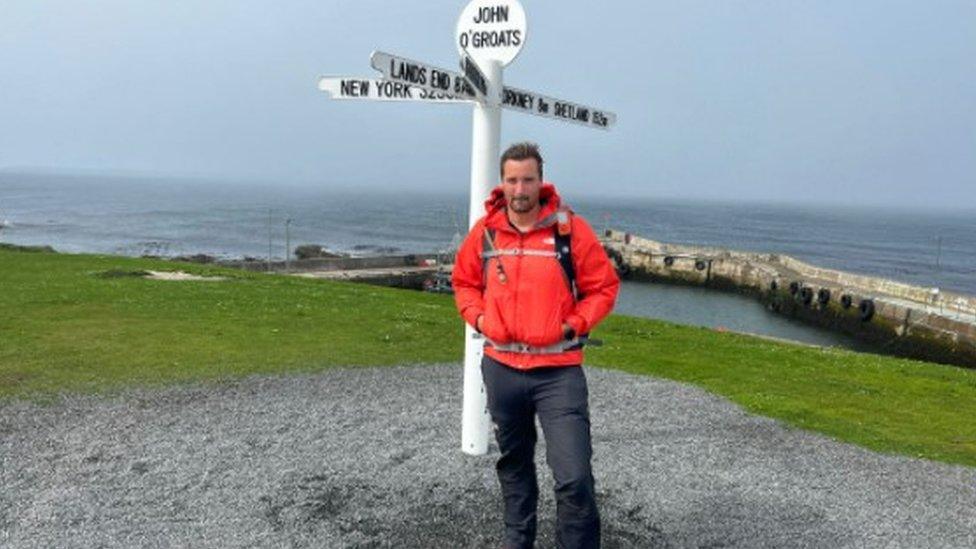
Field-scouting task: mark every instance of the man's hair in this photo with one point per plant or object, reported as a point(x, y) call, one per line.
point(521, 151)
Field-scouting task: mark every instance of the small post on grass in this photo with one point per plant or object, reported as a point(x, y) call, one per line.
point(288, 245)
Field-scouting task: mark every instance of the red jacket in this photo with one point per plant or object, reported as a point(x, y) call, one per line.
point(534, 301)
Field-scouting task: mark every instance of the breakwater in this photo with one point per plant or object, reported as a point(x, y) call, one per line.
point(400, 271)
point(912, 321)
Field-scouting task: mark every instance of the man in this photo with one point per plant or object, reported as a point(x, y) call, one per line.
point(534, 280)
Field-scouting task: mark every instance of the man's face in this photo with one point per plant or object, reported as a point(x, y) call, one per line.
point(521, 183)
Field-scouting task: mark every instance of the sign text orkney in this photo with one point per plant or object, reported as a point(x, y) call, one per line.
point(543, 105)
point(421, 75)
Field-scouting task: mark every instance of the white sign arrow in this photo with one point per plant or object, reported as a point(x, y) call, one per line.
point(377, 89)
point(473, 74)
point(421, 75)
point(550, 107)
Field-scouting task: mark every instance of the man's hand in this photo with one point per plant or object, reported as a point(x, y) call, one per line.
point(568, 331)
point(479, 322)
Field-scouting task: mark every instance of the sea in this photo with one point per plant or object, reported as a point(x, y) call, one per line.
point(170, 217)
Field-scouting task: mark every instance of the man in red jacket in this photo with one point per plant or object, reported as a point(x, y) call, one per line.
point(534, 280)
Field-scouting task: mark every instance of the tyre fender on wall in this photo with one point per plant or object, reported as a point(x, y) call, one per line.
point(866, 309)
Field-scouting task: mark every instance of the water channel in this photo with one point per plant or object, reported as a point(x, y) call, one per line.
point(721, 310)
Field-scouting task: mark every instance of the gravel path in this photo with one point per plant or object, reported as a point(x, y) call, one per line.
point(369, 458)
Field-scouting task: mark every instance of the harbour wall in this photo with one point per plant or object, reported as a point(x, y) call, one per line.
point(399, 271)
point(337, 263)
point(902, 319)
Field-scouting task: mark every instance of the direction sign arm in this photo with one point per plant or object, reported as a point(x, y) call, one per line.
point(550, 107)
point(421, 75)
point(378, 89)
point(473, 74)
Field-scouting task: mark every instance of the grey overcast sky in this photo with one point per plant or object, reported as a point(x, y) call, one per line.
point(864, 102)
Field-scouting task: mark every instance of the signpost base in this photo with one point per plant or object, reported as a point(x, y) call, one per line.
point(475, 419)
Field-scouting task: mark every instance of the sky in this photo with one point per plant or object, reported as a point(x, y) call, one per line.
point(862, 103)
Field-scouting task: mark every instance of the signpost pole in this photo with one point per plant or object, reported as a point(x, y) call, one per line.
point(486, 125)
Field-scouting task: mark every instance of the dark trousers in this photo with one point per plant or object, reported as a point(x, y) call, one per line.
point(558, 396)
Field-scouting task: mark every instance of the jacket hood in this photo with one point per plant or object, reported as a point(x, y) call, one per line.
point(495, 206)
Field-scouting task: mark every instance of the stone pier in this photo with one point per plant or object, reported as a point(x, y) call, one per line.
point(399, 271)
point(907, 320)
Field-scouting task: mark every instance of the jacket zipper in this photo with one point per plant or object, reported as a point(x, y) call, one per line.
point(518, 279)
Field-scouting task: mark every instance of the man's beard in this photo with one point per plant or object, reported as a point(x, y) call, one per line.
point(521, 204)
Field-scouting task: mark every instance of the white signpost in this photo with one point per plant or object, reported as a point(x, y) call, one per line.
point(489, 35)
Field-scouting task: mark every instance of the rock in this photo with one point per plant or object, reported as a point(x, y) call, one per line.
point(311, 251)
point(196, 258)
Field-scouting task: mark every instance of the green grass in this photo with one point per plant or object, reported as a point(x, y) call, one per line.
point(82, 323)
point(66, 326)
point(883, 403)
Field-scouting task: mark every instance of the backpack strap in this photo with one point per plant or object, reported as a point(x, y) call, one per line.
point(487, 244)
point(562, 236)
point(488, 251)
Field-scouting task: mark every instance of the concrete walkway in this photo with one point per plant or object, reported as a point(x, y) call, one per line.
point(369, 458)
